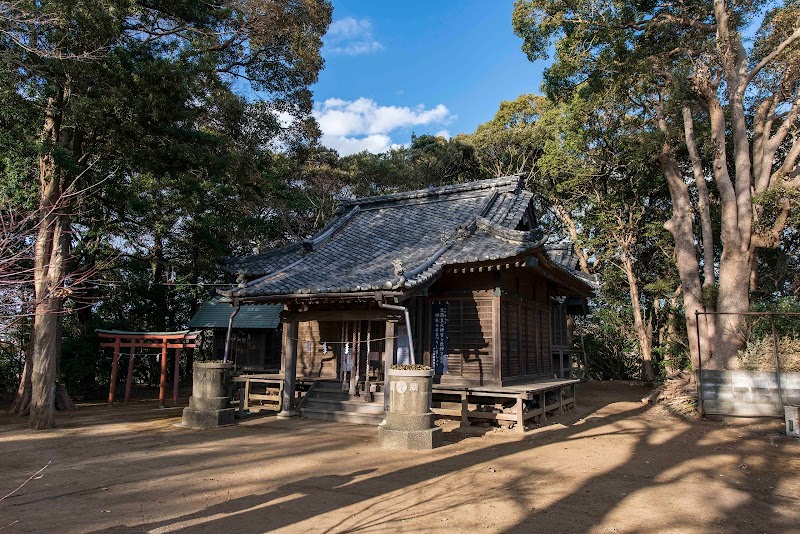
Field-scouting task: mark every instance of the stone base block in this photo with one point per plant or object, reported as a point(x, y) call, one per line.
point(410, 440)
point(408, 422)
point(214, 403)
point(203, 419)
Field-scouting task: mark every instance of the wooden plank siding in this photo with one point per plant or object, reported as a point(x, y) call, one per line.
point(559, 324)
point(470, 339)
point(525, 338)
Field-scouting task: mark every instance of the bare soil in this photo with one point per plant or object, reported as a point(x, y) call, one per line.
point(612, 465)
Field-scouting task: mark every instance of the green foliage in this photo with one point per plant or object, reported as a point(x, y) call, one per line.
point(165, 128)
point(609, 344)
point(785, 325)
point(513, 141)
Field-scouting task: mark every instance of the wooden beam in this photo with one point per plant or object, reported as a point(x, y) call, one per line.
point(176, 376)
point(289, 369)
point(464, 409)
point(520, 415)
point(162, 386)
point(156, 345)
point(129, 378)
point(497, 340)
point(144, 335)
point(376, 314)
point(388, 361)
point(114, 363)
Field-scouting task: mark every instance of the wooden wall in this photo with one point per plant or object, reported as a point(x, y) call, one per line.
point(313, 362)
point(499, 326)
point(561, 338)
point(525, 332)
point(251, 349)
point(471, 344)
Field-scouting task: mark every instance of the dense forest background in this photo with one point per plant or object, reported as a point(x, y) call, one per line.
point(125, 139)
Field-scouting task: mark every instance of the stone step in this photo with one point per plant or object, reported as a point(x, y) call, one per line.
point(330, 385)
point(354, 406)
point(344, 417)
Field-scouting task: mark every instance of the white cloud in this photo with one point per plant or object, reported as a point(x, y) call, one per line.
point(358, 125)
point(443, 133)
point(351, 37)
point(345, 146)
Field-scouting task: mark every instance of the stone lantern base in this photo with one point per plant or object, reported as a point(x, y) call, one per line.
point(410, 421)
point(410, 440)
point(209, 406)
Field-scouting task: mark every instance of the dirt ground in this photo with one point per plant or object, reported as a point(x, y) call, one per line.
point(612, 465)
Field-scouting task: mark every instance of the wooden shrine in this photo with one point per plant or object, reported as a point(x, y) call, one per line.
point(459, 278)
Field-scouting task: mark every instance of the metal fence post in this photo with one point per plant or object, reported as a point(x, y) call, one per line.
point(777, 363)
point(700, 406)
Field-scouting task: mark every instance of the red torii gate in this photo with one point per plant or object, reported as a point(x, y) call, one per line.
point(183, 339)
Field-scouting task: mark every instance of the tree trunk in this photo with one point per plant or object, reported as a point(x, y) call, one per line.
point(681, 228)
point(48, 276)
point(736, 196)
point(572, 230)
point(22, 402)
point(47, 341)
point(159, 277)
point(703, 201)
point(644, 333)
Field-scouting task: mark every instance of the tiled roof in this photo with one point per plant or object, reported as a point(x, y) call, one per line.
point(563, 254)
point(398, 241)
point(215, 314)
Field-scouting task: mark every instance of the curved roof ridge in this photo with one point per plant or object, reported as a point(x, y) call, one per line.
point(513, 180)
point(508, 234)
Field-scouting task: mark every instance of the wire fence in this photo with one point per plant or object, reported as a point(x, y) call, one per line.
point(764, 374)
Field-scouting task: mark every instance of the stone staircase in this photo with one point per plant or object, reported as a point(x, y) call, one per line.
point(327, 401)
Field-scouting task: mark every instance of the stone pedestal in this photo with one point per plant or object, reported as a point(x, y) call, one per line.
point(792, 417)
point(209, 406)
point(410, 421)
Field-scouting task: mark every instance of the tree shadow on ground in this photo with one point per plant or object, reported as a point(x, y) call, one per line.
point(743, 500)
point(644, 475)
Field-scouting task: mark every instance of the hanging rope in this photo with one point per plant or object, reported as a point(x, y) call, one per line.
point(356, 359)
point(344, 355)
point(367, 391)
point(329, 343)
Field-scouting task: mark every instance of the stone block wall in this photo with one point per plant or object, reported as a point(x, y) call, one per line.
point(748, 393)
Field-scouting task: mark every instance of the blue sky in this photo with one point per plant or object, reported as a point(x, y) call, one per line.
point(432, 67)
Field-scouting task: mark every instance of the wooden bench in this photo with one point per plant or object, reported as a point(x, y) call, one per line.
point(519, 393)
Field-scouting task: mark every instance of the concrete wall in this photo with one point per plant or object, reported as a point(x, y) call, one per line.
point(748, 393)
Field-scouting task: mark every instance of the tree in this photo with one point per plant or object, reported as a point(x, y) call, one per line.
point(101, 79)
point(675, 66)
point(513, 140)
point(438, 161)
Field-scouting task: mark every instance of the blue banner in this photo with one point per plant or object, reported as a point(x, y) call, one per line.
point(439, 337)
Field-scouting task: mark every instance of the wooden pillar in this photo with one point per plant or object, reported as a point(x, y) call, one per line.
point(520, 414)
point(114, 363)
point(464, 409)
point(388, 361)
point(289, 368)
point(176, 377)
point(244, 402)
point(129, 378)
point(162, 388)
point(542, 399)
